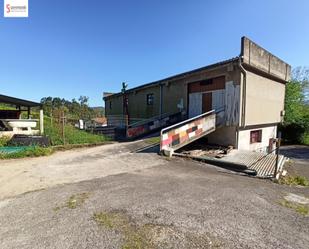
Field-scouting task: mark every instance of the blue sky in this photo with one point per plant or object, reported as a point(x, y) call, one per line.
point(77, 47)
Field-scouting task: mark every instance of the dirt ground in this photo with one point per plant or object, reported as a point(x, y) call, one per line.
point(119, 199)
point(24, 175)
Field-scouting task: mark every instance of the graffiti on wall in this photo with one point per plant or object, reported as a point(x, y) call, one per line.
point(152, 125)
point(181, 134)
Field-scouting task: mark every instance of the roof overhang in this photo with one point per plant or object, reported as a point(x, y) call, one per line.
point(18, 102)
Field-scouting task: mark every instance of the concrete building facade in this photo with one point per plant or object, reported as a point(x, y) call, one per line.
point(247, 92)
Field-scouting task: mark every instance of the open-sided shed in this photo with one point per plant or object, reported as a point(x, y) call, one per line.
point(12, 118)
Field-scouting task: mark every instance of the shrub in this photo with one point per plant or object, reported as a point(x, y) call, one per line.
point(4, 141)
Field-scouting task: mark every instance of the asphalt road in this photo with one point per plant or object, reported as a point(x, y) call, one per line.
point(173, 204)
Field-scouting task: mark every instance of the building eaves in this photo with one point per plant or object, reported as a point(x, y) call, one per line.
point(18, 102)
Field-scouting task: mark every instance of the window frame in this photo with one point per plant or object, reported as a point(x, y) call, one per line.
point(150, 99)
point(256, 136)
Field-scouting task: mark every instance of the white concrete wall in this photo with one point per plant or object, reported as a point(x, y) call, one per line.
point(264, 100)
point(267, 133)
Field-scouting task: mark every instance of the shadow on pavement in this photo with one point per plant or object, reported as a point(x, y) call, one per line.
point(295, 151)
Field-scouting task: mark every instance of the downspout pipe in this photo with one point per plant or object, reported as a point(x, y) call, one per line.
point(243, 105)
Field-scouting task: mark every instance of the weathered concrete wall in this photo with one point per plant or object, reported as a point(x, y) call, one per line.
point(258, 57)
point(223, 136)
point(267, 133)
point(175, 93)
point(264, 100)
point(116, 107)
point(138, 107)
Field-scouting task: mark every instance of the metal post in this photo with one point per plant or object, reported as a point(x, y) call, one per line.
point(28, 111)
point(278, 140)
point(63, 126)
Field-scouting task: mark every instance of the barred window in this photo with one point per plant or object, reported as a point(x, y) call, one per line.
point(255, 136)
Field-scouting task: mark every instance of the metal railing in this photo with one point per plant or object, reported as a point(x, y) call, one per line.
point(153, 123)
point(151, 119)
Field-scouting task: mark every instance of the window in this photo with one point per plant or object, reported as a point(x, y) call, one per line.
point(150, 99)
point(255, 136)
point(206, 82)
point(110, 104)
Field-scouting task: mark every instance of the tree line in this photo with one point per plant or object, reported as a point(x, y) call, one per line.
point(74, 109)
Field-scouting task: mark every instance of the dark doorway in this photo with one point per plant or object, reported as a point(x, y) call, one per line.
point(207, 102)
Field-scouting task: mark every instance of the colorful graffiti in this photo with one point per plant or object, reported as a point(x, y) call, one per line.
point(153, 124)
point(178, 135)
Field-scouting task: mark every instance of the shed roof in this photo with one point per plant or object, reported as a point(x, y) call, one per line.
point(221, 63)
point(19, 102)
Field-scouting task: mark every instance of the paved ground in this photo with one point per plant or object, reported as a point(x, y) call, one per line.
point(161, 204)
point(299, 155)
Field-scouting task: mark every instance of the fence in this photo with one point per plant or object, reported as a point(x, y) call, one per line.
point(185, 132)
point(62, 129)
point(121, 121)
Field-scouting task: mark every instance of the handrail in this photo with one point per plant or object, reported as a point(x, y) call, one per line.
point(186, 121)
point(161, 116)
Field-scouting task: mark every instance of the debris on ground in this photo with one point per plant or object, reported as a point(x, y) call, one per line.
point(202, 149)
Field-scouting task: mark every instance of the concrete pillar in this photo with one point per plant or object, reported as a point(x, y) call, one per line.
point(41, 122)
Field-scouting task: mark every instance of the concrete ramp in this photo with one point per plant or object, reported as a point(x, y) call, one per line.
point(264, 164)
point(187, 131)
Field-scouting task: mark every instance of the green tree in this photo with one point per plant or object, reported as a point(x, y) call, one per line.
point(294, 100)
point(296, 121)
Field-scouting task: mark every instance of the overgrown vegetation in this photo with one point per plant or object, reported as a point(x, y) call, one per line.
point(294, 180)
point(34, 151)
point(3, 141)
point(299, 208)
point(61, 115)
point(71, 135)
point(295, 128)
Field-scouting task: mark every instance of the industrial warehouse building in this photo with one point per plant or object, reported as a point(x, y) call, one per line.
point(247, 93)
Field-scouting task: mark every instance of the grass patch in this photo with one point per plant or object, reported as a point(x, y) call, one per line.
point(153, 140)
point(76, 200)
point(152, 236)
point(109, 220)
point(134, 237)
point(299, 208)
point(72, 135)
point(73, 202)
point(34, 151)
point(294, 181)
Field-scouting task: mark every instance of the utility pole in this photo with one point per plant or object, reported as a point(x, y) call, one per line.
point(125, 103)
